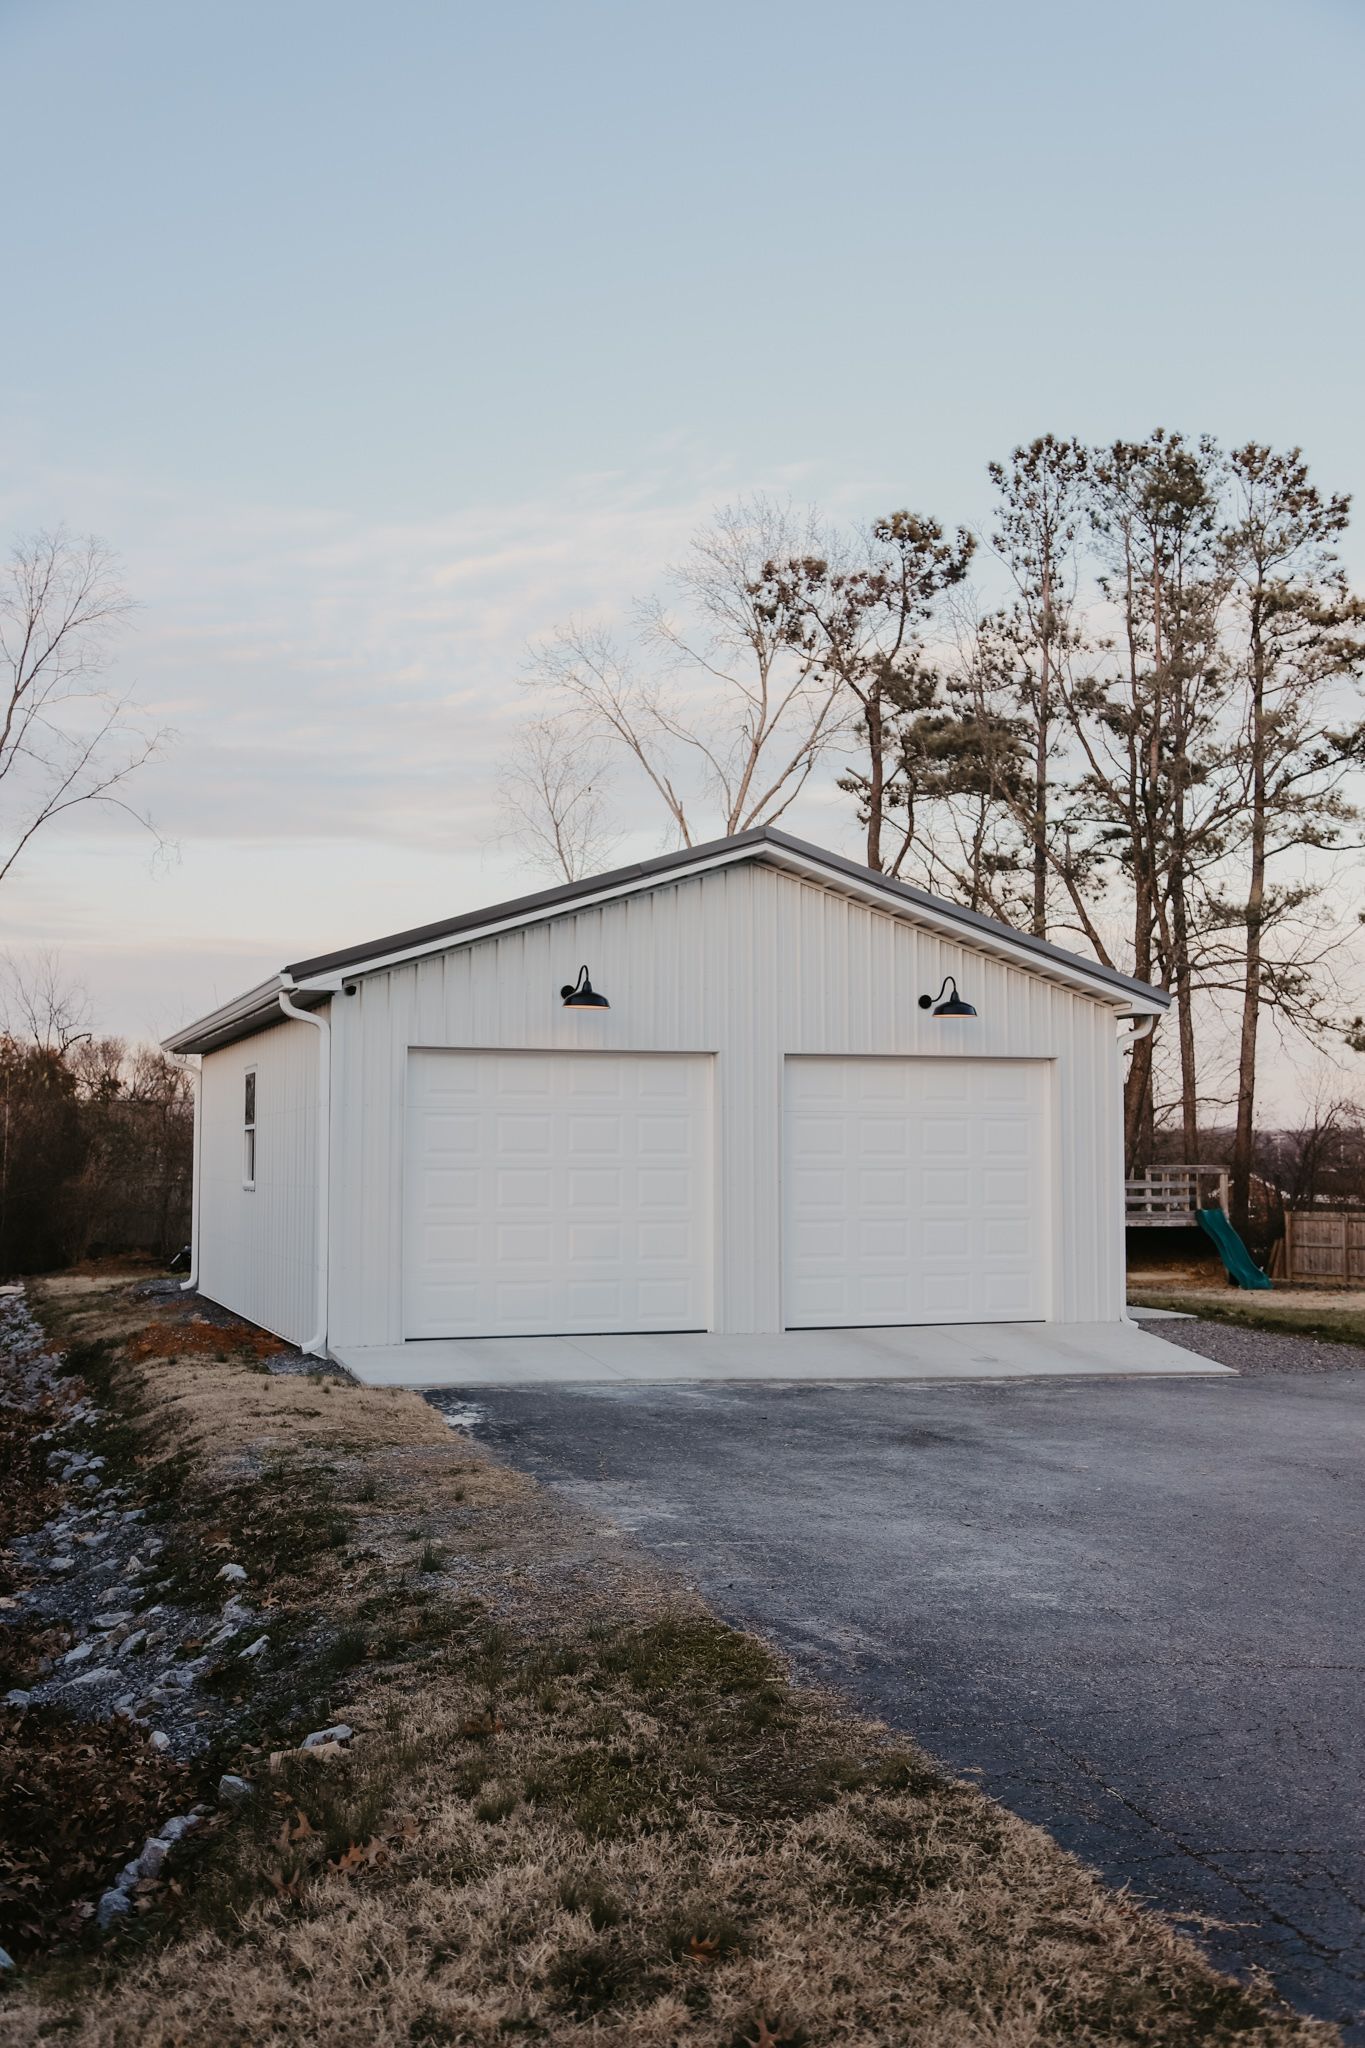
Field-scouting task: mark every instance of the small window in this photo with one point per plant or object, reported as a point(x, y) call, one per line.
point(249, 1130)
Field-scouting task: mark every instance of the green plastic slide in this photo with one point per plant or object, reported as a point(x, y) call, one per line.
point(1232, 1251)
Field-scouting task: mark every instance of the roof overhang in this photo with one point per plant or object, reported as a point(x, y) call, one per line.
point(315, 979)
point(256, 1011)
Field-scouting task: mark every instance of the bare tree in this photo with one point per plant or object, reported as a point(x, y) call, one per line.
point(708, 698)
point(41, 1004)
point(553, 797)
point(65, 739)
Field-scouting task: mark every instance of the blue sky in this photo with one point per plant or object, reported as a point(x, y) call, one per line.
point(378, 339)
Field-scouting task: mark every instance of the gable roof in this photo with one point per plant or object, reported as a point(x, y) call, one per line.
point(323, 973)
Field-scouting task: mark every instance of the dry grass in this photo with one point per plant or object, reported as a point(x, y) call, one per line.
point(580, 1809)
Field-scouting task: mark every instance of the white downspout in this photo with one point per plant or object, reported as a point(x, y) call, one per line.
point(193, 1281)
point(316, 1347)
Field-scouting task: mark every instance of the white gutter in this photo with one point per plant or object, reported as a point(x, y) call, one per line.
point(1138, 1027)
point(193, 1281)
point(316, 1347)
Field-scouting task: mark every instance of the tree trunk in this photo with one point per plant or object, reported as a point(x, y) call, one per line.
point(1138, 1117)
point(1184, 1002)
point(1040, 763)
point(876, 778)
point(1239, 1190)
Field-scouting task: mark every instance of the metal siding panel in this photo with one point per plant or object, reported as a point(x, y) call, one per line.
point(257, 1246)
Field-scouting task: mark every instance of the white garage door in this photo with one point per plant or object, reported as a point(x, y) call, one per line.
point(554, 1193)
point(916, 1191)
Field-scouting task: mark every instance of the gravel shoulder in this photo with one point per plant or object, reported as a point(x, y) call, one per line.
point(1262, 1353)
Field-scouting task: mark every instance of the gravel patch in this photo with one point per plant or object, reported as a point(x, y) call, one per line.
point(1259, 1353)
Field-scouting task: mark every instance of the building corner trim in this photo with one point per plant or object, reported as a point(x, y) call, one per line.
point(316, 1346)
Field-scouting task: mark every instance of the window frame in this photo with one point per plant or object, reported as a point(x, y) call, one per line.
point(250, 1086)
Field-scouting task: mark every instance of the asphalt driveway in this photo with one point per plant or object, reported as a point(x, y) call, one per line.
point(1133, 1609)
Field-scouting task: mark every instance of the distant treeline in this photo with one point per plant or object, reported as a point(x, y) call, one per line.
point(96, 1151)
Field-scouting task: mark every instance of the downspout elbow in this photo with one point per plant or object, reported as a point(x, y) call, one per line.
point(316, 1346)
point(1138, 1029)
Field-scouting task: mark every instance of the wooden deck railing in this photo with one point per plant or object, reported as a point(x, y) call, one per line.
point(1171, 1194)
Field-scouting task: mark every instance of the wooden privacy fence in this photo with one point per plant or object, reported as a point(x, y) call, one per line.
point(1325, 1247)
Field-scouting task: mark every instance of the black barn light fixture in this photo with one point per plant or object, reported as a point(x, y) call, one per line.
point(581, 995)
point(954, 1007)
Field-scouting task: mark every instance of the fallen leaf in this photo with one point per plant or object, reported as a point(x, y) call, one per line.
point(360, 1856)
point(488, 1723)
point(703, 1948)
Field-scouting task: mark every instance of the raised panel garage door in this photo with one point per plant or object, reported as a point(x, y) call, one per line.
point(916, 1191)
point(548, 1194)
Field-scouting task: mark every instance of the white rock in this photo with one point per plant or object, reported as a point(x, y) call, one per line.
point(341, 1733)
point(62, 1564)
point(6, 1960)
point(112, 1905)
point(130, 1645)
point(183, 1824)
point(159, 1741)
point(256, 1649)
point(154, 1853)
point(79, 1654)
point(233, 1573)
point(93, 1677)
point(234, 1791)
point(18, 1698)
point(117, 1619)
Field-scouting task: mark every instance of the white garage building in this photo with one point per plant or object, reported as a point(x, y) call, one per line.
point(780, 1119)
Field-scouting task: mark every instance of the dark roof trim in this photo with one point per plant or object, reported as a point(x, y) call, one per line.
point(551, 901)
